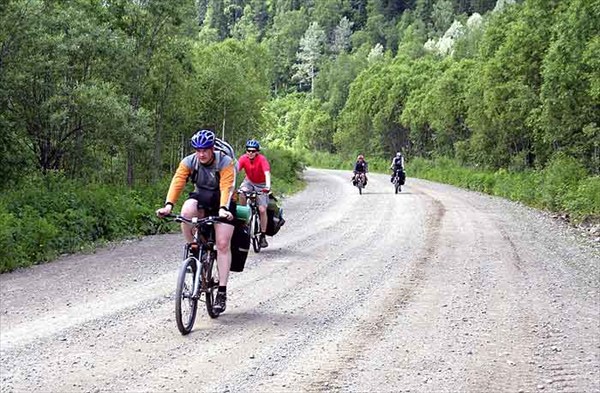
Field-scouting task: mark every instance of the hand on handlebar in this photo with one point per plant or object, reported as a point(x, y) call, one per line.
point(164, 211)
point(225, 214)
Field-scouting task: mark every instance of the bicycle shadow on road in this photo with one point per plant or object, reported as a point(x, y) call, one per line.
point(280, 255)
point(367, 193)
point(258, 318)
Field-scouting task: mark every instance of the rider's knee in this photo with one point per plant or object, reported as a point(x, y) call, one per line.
point(189, 208)
point(223, 245)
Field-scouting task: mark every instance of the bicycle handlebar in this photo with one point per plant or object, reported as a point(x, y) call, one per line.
point(248, 194)
point(195, 221)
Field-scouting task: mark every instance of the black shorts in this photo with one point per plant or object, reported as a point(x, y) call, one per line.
point(209, 201)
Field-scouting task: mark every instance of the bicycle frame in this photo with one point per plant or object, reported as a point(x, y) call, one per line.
point(255, 221)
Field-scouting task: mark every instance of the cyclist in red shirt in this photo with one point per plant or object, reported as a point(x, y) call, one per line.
point(258, 178)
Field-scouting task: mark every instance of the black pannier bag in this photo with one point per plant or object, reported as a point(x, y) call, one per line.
point(274, 216)
point(240, 244)
point(402, 177)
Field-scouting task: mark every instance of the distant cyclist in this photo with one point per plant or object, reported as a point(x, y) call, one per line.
point(258, 178)
point(361, 166)
point(213, 176)
point(397, 165)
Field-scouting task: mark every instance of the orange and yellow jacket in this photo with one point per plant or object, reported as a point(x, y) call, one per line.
point(219, 175)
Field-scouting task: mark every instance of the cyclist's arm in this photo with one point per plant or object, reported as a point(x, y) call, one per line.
point(241, 162)
point(266, 167)
point(178, 183)
point(227, 184)
point(268, 179)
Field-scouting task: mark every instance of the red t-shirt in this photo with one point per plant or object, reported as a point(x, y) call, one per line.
point(255, 169)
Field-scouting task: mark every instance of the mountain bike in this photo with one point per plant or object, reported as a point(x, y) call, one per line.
point(397, 182)
point(359, 182)
point(254, 218)
point(198, 278)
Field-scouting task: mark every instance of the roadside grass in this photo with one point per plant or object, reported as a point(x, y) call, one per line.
point(46, 216)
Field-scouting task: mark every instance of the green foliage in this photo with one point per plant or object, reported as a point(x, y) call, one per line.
point(332, 85)
point(51, 216)
point(563, 186)
point(585, 199)
point(570, 81)
point(319, 159)
point(561, 177)
point(286, 169)
point(283, 42)
point(232, 78)
point(283, 119)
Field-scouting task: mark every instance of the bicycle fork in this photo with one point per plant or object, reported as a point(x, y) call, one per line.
point(202, 276)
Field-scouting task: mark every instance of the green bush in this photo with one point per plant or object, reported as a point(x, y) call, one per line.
point(286, 167)
point(561, 175)
point(11, 251)
point(585, 199)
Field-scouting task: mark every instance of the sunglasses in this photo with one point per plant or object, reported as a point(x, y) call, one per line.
point(251, 151)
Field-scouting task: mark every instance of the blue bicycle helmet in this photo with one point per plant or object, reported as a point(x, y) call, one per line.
point(252, 144)
point(203, 139)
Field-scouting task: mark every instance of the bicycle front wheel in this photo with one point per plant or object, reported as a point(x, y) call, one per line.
point(186, 303)
point(210, 277)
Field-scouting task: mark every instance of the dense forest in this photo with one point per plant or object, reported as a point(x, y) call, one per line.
point(108, 92)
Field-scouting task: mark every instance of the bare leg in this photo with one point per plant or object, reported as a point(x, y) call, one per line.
point(189, 210)
point(223, 234)
point(262, 210)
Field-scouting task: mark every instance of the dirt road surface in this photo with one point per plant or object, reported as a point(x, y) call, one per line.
point(435, 289)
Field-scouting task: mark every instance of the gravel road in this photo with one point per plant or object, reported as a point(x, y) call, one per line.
point(435, 289)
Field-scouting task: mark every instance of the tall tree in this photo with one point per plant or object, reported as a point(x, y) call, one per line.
point(569, 120)
point(232, 77)
point(54, 100)
point(442, 15)
point(283, 41)
point(308, 56)
point(341, 36)
point(246, 27)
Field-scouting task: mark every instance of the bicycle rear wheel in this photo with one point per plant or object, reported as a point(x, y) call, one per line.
point(186, 304)
point(210, 276)
point(255, 228)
